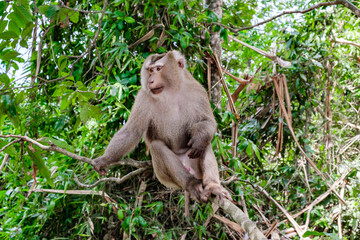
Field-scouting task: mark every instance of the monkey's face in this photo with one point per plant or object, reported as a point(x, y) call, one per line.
point(161, 72)
point(155, 81)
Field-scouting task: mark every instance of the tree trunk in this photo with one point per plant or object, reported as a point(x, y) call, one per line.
point(215, 44)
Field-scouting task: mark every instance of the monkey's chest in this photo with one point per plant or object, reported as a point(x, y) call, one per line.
point(171, 127)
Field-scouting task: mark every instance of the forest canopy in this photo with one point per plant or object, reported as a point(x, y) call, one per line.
point(283, 80)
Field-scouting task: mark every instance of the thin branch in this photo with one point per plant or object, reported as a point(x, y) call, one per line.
point(9, 144)
point(322, 196)
point(110, 179)
point(5, 160)
point(337, 2)
point(78, 10)
point(343, 41)
point(53, 147)
point(282, 209)
point(281, 62)
point(300, 148)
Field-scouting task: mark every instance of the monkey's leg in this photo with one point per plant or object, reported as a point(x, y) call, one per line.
point(171, 172)
point(211, 179)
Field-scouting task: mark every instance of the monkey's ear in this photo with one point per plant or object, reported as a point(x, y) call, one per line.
point(181, 62)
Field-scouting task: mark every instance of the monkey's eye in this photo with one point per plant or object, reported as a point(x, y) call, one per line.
point(151, 70)
point(158, 68)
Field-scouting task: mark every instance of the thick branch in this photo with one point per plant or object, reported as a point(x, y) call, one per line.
point(351, 6)
point(240, 217)
point(343, 41)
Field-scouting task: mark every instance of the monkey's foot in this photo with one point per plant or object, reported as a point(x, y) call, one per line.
point(217, 190)
point(195, 188)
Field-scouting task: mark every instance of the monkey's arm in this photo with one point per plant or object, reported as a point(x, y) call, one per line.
point(201, 134)
point(126, 139)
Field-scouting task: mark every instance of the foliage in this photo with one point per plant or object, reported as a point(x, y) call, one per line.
point(69, 75)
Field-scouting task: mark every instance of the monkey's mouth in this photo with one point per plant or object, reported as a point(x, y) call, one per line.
point(157, 90)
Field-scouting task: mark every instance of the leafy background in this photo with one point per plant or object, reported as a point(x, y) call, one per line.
point(69, 73)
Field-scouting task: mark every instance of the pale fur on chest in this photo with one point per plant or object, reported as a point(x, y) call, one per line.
point(171, 119)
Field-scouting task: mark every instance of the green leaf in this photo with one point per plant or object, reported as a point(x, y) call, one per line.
point(74, 17)
point(57, 142)
point(249, 150)
point(40, 164)
point(8, 35)
point(3, 6)
point(84, 113)
point(4, 79)
point(129, 20)
point(23, 14)
point(3, 25)
point(120, 214)
point(9, 55)
point(51, 11)
point(43, 9)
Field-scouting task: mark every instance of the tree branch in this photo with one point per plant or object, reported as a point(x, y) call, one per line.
point(110, 179)
point(351, 6)
point(53, 147)
point(337, 2)
point(240, 217)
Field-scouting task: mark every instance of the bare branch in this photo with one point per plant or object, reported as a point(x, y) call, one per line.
point(5, 160)
point(9, 144)
point(322, 196)
point(78, 10)
point(282, 209)
point(300, 148)
point(274, 58)
point(240, 217)
point(110, 179)
point(343, 41)
point(351, 6)
point(55, 148)
point(235, 30)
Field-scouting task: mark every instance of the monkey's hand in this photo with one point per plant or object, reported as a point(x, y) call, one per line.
point(100, 165)
point(197, 148)
point(218, 191)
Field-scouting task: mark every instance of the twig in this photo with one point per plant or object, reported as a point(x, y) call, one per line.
point(9, 144)
point(110, 179)
point(300, 148)
point(231, 103)
point(78, 10)
point(289, 217)
point(342, 192)
point(343, 41)
point(322, 196)
point(80, 192)
point(5, 160)
point(338, 2)
point(281, 62)
point(234, 226)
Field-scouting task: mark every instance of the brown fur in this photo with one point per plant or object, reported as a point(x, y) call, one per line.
point(173, 113)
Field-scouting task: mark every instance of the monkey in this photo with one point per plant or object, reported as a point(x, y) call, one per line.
point(173, 113)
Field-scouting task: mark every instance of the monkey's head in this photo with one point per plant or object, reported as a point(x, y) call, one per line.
point(162, 72)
